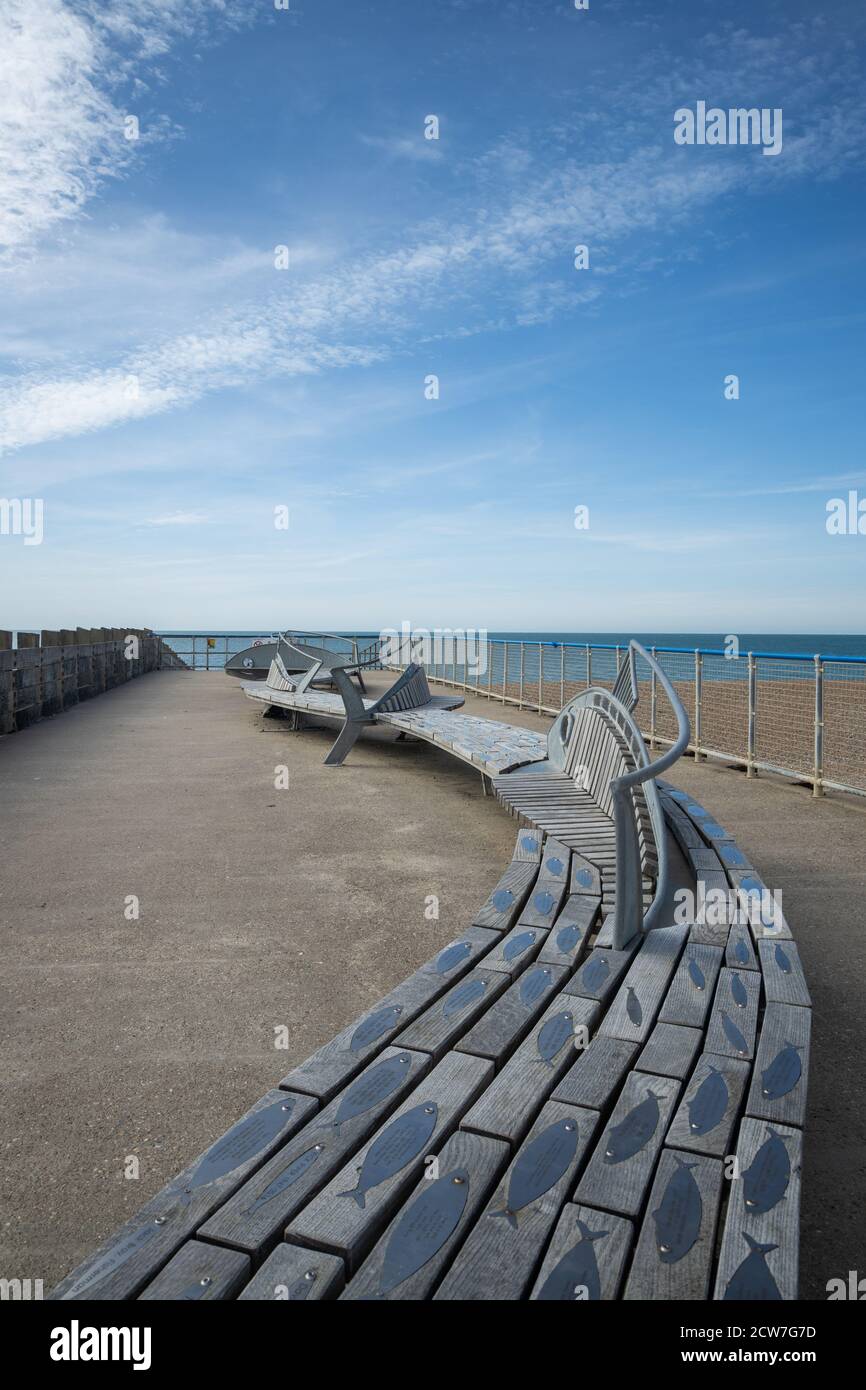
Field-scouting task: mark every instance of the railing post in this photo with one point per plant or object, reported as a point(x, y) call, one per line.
point(562, 676)
point(540, 673)
point(753, 692)
point(489, 668)
point(698, 677)
point(588, 666)
point(505, 673)
point(653, 702)
point(818, 779)
point(522, 671)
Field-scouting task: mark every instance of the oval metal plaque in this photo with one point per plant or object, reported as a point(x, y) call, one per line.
point(403, 1140)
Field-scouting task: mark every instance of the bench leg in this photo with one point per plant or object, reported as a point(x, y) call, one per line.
point(346, 739)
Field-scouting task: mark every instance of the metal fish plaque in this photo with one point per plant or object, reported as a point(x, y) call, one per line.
point(766, 1179)
point(752, 1281)
point(556, 867)
point(556, 1032)
point(529, 843)
point(567, 938)
point(738, 992)
point(741, 950)
point(244, 1141)
point(118, 1254)
point(371, 1028)
point(576, 1274)
point(696, 975)
point(783, 960)
point(634, 1132)
point(288, 1177)
point(583, 877)
point(783, 1073)
point(465, 994)
point(518, 944)
point(533, 985)
point(679, 1214)
point(502, 899)
point(303, 1287)
point(453, 956)
point(539, 1167)
point(595, 973)
point(544, 902)
point(424, 1227)
point(195, 1291)
point(633, 1007)
point(403, 1140)
point(371, 1088)
point(709, 1103)
point(733, 1035)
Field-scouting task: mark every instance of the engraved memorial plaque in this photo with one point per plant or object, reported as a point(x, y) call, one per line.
point(766, 1179)
point(538, 1167)
point(679, 1215)
point(634, 1132)
point(401, 1142)
point(424, 1227)
point(370, 1029)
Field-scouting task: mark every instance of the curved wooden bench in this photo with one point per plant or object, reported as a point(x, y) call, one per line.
point(535, 1113)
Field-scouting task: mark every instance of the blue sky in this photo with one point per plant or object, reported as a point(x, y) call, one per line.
point(163, 386)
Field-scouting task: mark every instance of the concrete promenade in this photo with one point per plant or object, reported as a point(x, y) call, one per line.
point(264, 909)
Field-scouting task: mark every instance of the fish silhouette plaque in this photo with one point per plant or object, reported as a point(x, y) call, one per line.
point(567, 938)
point(370, 1029)
point(766, 1179)
point(401, 1142)
point(533, 985)
point(242, 1142)
point(783, 1073)
point(679, 1215)
point(424, 1227)
point(554, 1035)
point(518, 944)
point(371, 1088)
point(577, 1274)
point(291, 1174)
point(539, 1167)
point(634, 1132)
point(709, 1103)
point(453, 956)
point(752, 1281)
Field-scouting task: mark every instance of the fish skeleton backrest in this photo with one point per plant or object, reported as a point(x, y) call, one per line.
point(409, 691)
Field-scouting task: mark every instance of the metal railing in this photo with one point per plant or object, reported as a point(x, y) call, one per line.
point(209, 652)
point(803, 717)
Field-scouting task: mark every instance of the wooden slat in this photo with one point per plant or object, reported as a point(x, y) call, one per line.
point(550, 886)
point(254, 1218)
point(670, 1050)
point(674, 1251)
point(334, 1064)
point(477, 1163)
point(292, 1274)
point(517, 950)
point(600, 973)
point(599, 1268)
point(784, 1042)
point(691, 990)
point(500, 1254)
point(440, 1026)
point(514, 1097)
point(567, 939)
point(773, 1257)
point(728, 1014)
point(131, 1257)
point(505, 902)
point(621, 1166)
point(595, 1078)
point(710, 1106)
point(200, 1272)
point(336, 1220)
point(528, 848)
point(784, 982)
point(633, 1011)
point(508, 1020)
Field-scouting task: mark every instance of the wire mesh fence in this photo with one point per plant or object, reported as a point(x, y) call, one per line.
point(801, 716)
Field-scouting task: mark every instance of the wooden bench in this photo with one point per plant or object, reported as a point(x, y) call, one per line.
point(537, 1112)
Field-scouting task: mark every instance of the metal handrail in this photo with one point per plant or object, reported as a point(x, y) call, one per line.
point(629, 917)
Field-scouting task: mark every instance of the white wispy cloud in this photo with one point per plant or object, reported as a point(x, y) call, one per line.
point(61, 113)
